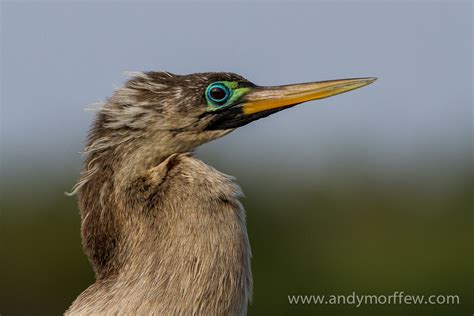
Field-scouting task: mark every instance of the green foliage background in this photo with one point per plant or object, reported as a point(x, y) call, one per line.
point(345, 229)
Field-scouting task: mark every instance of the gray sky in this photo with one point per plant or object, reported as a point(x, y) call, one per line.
point(59, 57)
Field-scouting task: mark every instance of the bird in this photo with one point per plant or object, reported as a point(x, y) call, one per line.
point(164, 232)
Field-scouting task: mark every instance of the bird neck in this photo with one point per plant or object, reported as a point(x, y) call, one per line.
point(106, 181)
point(165, 232)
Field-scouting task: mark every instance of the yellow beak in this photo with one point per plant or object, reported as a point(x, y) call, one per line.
point(267, 98)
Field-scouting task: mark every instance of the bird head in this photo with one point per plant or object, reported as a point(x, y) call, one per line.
point(184, 111)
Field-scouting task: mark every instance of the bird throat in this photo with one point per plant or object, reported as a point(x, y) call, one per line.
point(170, 239)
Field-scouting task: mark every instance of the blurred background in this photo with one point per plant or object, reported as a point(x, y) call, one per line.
point(370, 191)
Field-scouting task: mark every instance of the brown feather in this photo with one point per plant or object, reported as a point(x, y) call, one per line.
point(165, 233)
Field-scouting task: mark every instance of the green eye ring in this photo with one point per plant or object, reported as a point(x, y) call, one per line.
point(218, 94)
point(223, 94)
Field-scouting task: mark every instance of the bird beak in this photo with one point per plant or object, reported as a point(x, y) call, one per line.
point(258, 102)
point(270, 98)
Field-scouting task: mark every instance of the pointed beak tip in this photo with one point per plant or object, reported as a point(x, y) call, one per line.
point(365, 81)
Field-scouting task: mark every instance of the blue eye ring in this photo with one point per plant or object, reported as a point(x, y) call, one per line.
point(218, 93)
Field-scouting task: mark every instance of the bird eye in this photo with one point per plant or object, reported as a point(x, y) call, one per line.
point(218, 93)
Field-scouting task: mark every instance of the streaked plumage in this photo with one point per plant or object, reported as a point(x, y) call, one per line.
point(166, 233)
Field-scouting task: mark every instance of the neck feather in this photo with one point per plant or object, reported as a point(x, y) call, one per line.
point(163, 234)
